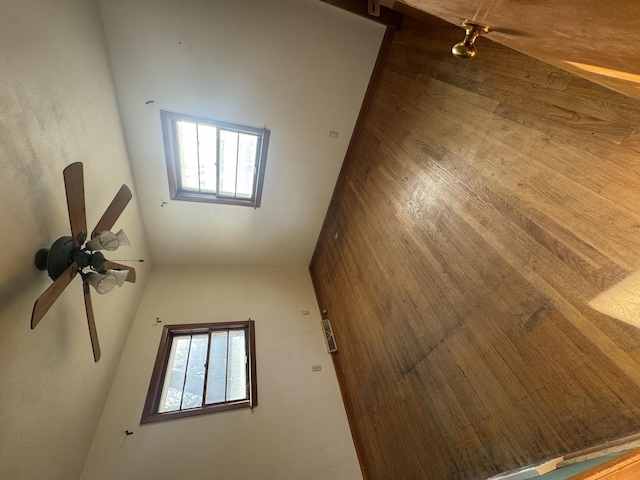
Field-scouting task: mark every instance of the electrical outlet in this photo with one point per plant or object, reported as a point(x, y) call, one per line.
point(316, 368)
point(305, 312)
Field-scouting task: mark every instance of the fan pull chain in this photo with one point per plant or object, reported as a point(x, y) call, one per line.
point(116, 260)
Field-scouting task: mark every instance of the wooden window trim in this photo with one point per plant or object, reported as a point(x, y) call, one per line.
point(150, 412)
point(172, 156)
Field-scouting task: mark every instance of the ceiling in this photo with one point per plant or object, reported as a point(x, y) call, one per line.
point(588, 38)
point(300, 68)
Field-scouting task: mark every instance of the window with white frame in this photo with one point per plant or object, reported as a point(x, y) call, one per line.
point(213, 161)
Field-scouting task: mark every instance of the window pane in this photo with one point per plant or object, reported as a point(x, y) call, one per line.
point(216, 358)
point(188, 147)
point(217, 377)
point(194, 386)
point(247, 149)
point(228, 163)
point(214, 162)
point(237, 367)
point(207, 149)
point(174, 378)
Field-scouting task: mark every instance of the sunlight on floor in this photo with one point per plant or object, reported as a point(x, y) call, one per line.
point(607, 72)
point(622, 301)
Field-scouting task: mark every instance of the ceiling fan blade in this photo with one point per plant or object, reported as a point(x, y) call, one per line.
point(93, 333)
point(74, 186)
point(50, 295)
point(115, 208)
point(131, 277)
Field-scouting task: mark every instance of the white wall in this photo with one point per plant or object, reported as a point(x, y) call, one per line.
point(298, 67)
point(299, 429)
point(57, 106)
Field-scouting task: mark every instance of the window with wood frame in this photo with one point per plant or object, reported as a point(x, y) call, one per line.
point(202, 368)
point(214, 162)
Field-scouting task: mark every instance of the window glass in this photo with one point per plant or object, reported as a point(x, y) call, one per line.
point(207, 141)
point(228, 163)
point(237, 369)
point(213, 161)
point(247, 147)
point(202, 369)
point(188, 142)
point(216, 382)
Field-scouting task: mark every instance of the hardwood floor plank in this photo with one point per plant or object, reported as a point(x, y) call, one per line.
point(607, 120)
point(564, 199)
point(483, 208)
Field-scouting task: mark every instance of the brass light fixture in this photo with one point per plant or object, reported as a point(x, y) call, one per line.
point(466, 48)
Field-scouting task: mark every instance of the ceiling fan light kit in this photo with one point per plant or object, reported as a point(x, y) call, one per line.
point(108, 240)
point(103, 283)
point(466, 48)
point(67, 257)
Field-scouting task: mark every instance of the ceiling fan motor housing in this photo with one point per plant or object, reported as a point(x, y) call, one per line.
point(56, 259)
point(63, 253)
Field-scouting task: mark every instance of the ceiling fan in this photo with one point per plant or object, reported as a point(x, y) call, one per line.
point(69, 256)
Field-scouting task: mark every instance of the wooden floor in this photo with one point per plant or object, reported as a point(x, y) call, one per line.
point(485, 206)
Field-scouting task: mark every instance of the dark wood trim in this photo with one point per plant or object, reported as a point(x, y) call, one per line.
point(388, 16)
point(168, 121)
point(210, 198)
point(346, 400)
point(355, 431)
point(366, 102)
point(150, 411)
point(253, 376)
point(159, 371)
point(162, 417)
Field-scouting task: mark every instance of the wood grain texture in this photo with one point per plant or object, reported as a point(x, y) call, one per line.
point(51, 294)
point(113, 211)
point(483, 207)
point(620, 445)
point(74, 187)
point(625, 467)
point(558, 34)
point(91, 322)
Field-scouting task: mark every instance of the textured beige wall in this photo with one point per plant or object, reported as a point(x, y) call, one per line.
point(297, 67)
point(57, 106)
point(299, 429)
